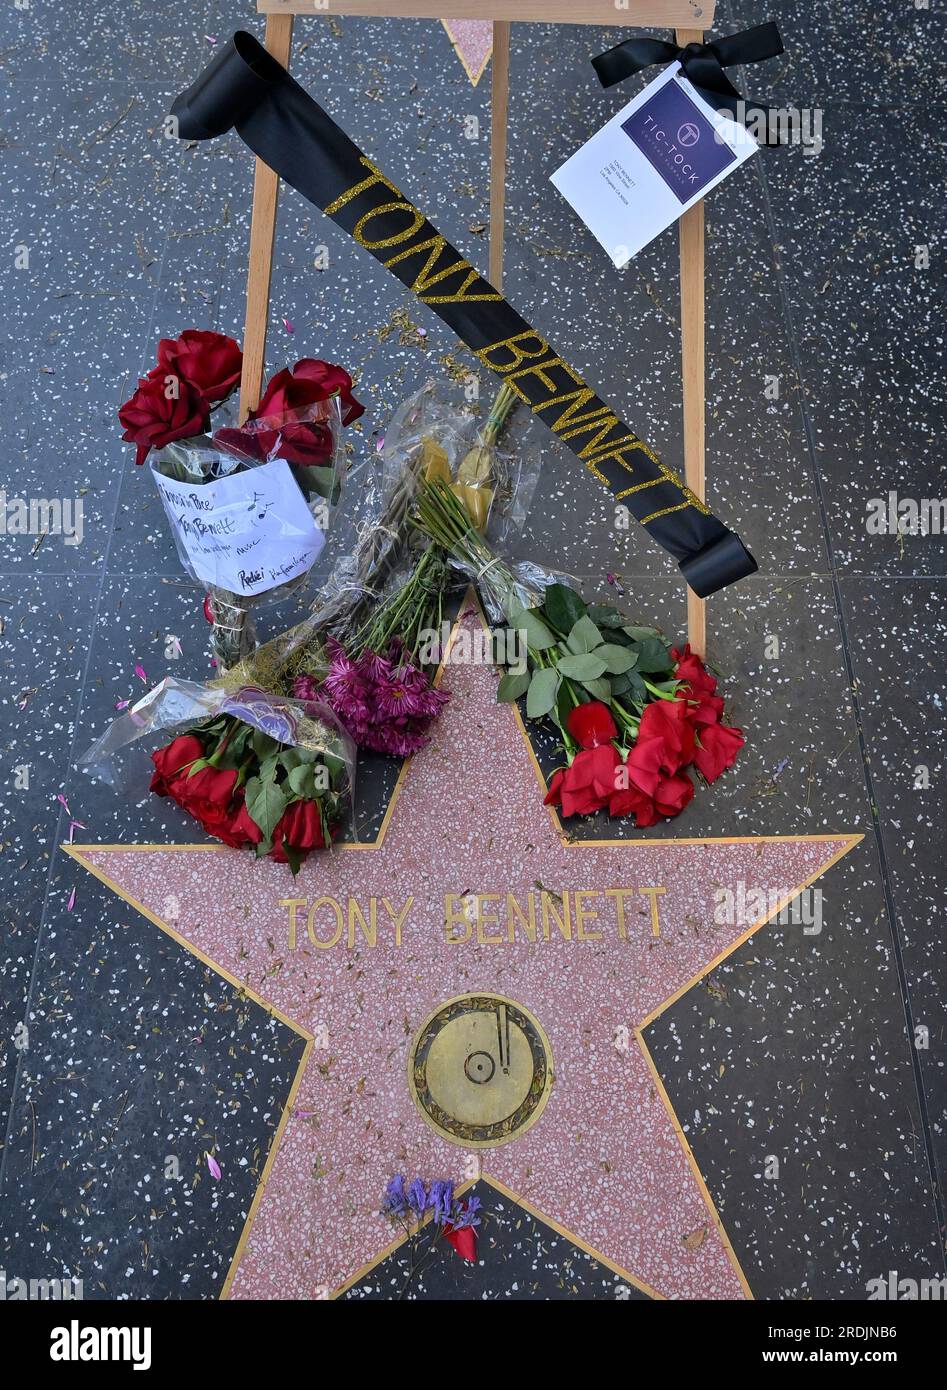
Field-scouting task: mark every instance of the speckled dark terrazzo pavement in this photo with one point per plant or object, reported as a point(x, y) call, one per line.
point(825, 1051)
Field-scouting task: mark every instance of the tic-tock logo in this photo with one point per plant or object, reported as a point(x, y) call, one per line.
point(678, 141)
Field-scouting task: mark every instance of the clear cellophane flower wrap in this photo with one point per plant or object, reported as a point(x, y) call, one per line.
point(436, 432)
point(309, 443)
point(278, 724)
point(454, 437)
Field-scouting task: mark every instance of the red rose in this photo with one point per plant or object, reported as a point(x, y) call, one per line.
point(245, 825)
point(333, 380)
point(221, 822)
point(284, 395)
point(670, 796)
point(591, 724)
point(691, 669)
point(208, 796)
point(587, 783)
point(307, 443)
point(673, 794)
point(718, 748)
point(646, 762)
point(169, 761)
point(153, 417)
point(631, 800)
point(257, 444)
point(703, 709)
point(211, 362)
point(666, 721)
point(278, 425)
point(300, 824)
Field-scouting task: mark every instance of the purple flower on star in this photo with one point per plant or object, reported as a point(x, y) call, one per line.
point(466, 1214)
point(417, 1198)
point(395, 1202)
point(441, 1200)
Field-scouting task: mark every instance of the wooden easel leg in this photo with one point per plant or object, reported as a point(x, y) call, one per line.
point(279, 38)
point(499, 110)
point(693, 368)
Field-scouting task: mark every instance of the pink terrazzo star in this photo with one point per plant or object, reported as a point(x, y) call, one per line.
point(473, 43)
point(605, 1162)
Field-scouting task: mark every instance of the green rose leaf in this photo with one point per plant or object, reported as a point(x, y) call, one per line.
point(604, 615)
point(617, 659)
point(542, 692)
point(653, 656)
point(303, 782)
point(538, 636)
point(564, 607)
point(581, 666)
point(262, 744)
point(293, 857)
point(322, 481)
point(635, 685)
point(600, 689)
point(512, 687)
point(335, 767)
point(265, 803)
point(584, 636)
point(640, 634)
point(268, 768)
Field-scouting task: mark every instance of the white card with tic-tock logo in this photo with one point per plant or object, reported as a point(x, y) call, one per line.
point(653, 160)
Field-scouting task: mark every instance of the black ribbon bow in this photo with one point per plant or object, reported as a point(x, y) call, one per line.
point(703, 65)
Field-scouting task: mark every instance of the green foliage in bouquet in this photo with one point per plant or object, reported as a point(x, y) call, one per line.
point(580, 651)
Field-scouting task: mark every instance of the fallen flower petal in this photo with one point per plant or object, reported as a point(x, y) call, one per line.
point(463, 1241)
point(213, 1166)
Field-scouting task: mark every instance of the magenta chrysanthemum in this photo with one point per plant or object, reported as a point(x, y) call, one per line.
point(305, 688)
point(385, 702)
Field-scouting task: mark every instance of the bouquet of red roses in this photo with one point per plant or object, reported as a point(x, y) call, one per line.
point(633, 712)
point(631, 759)
point(249, 505)
point(246, 787)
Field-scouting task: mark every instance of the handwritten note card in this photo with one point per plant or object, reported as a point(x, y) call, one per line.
point(247, 533)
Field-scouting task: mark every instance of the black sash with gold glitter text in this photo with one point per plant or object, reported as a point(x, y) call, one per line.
point(245, 88)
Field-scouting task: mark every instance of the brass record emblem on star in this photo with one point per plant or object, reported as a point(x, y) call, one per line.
point(480, 1070)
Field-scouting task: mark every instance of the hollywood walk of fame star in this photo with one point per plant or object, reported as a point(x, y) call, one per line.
point(473, 989)
point(472, 40)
